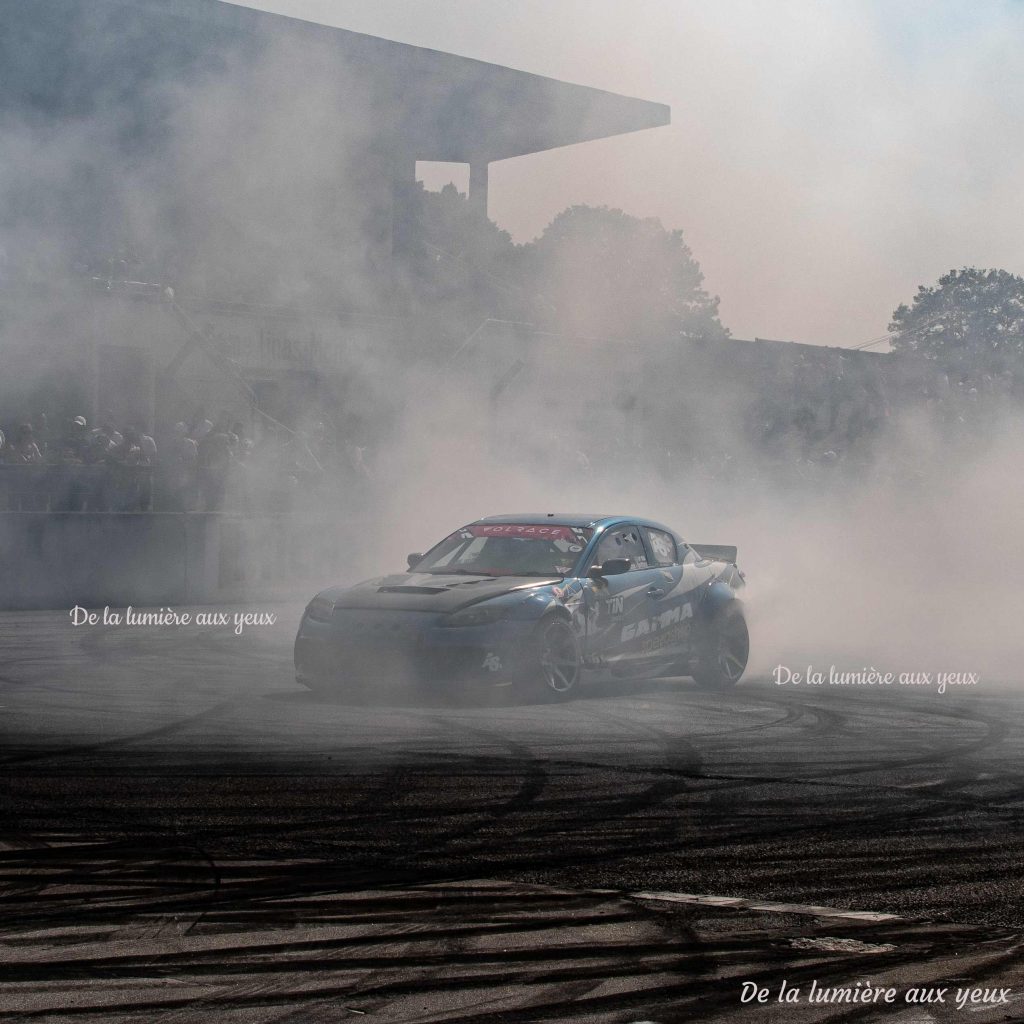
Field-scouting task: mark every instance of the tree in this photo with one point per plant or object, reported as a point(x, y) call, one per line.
point(594, 272)
point(971, 320)
point(453, 262)
point(600, 272)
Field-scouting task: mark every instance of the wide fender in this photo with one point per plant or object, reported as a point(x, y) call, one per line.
point(718, 597)
point(539, 605)
point(565, 601)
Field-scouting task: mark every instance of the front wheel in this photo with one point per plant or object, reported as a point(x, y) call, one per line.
point(724, 652)
point(555, 664)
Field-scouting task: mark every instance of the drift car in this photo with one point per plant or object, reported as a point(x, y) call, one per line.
point(541, 601)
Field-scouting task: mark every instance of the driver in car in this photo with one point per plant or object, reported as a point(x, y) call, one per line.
point(513, 555)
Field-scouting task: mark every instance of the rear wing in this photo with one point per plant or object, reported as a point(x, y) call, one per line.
point(716, 552)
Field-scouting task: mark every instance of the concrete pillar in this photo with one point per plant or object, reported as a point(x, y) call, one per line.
point(478, 185)
point(403, 189)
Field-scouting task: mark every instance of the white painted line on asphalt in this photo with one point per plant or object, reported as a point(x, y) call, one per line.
point(737, 903)
point(832, 944)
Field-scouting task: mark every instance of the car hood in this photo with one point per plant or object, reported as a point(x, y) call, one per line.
point(425, 592)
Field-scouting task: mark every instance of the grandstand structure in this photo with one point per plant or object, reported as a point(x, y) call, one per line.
point(264, 158)
point(128, 65)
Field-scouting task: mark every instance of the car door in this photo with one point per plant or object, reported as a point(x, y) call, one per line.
point(672, 598)
point(618, 606)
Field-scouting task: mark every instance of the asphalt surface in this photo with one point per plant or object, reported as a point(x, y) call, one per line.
point(185, 834)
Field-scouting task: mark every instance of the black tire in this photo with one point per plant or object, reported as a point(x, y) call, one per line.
point(556, 662)
point(724, 650)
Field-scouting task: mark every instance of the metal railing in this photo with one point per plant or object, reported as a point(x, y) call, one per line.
point(72, 487)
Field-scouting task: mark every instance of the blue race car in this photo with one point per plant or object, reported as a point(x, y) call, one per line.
point(541, 601)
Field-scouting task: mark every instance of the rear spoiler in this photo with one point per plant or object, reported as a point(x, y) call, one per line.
point(716, 552)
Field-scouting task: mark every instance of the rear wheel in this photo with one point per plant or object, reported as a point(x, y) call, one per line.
point(724, 652)
point(555, 664)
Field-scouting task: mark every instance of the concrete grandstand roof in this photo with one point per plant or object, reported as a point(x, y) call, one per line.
point(451, 108)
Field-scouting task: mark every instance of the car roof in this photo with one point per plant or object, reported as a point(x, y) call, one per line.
point(569, 519)
point(555, 518)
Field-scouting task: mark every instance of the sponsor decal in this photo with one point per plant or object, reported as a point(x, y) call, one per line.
point(665, 638)
point(667, 618)
point(663, 546)
point(571, 595)
point(614, 605)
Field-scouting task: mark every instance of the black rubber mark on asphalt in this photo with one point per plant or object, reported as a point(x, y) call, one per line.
point(170, 729)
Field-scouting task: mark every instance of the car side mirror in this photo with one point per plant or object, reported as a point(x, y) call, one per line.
point(413, 559)
point(613, 567)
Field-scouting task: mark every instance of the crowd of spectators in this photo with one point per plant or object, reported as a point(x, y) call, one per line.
point(198, 465)
point(806, 420)
point(803, 420)
point(77, 467)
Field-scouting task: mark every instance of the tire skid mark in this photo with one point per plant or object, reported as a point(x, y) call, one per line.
point(523, 763)
point(554, 991)
point(515, 808)
point(220, 967)
point(169, 729)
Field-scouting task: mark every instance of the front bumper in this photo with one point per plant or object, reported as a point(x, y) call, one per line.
point(396, 648)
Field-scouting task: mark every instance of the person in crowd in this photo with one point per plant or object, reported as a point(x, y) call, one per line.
point(200, 428)
point(102, 446)
point(180, 465)
point(136, 456)
point(147, 448)
point(240, 496)
point(23, 450)
point(105, 445)
point(75, 445)
point(128, 452)
point(27, 492)
point(69, 490)
point(236, 435)
point(107, 428)
point(124, 461)
point(41, 433)
point(215, 456)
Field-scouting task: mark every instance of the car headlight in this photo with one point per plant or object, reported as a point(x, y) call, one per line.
point(321, 609)
point(476, 615)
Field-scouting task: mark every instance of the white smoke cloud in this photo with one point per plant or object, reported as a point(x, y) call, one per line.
point(805, 211)
point(825, 158)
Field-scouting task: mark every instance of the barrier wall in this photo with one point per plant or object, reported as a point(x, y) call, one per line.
point(58, 560)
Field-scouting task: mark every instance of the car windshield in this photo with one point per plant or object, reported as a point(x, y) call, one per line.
point(508, 549)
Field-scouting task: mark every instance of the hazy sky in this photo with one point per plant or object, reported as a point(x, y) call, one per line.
point(825, 157)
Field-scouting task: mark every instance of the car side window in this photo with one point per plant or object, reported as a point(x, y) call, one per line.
point(663, 547)
point(622, 542)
